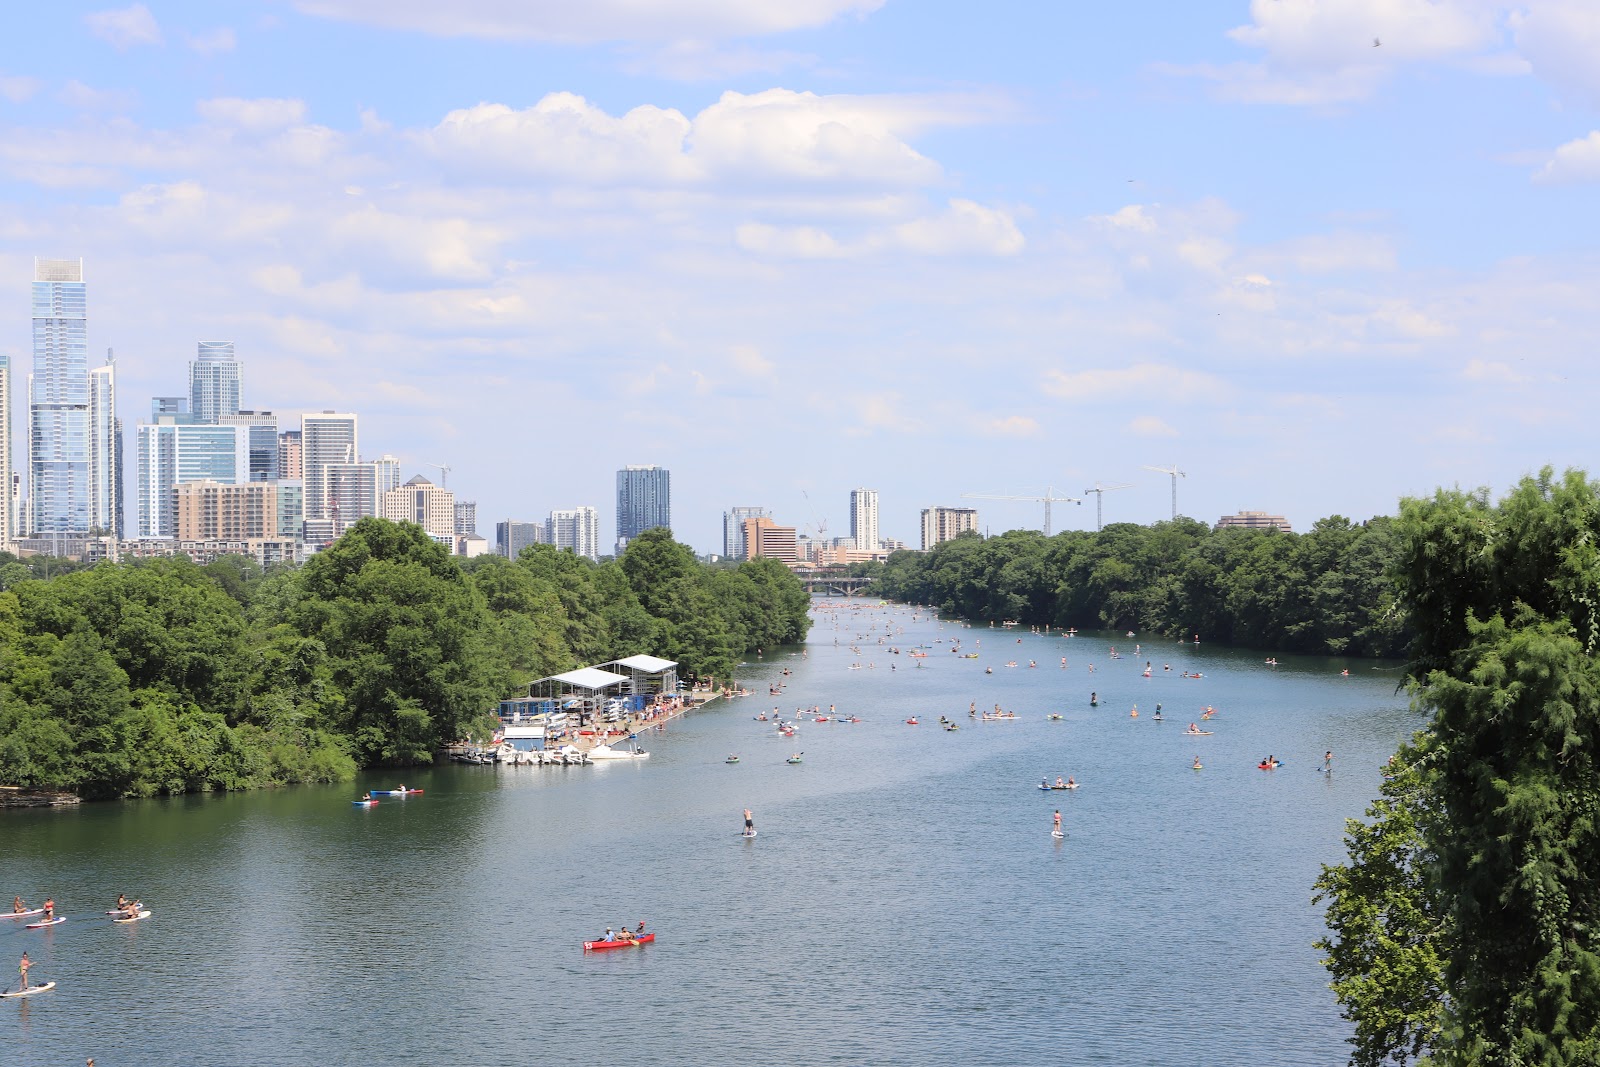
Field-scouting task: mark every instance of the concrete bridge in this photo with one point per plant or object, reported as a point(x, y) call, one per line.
point(834, 585)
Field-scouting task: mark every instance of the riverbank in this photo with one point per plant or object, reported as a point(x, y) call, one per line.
point(16, 796)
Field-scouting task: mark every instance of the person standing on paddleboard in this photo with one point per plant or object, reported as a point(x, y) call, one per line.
point(49, 909)
point(1057, 827)
point(749, 822)
point(23, 967)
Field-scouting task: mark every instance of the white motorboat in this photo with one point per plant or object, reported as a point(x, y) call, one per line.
point(614, 752)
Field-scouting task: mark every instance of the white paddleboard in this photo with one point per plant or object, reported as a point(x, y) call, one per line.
point(133, 918)
point(30, 991)
point(22, 914)
point(57, 921)
point(748, 833)
point(1057, 834)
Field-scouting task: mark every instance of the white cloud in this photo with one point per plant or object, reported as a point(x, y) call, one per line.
point(1575, 161)
point(18, 88)
point(1009, 426)
point(1561, 41)
point(593, 20)
point(1132, 217)
point(1150, 426)
point(777, 134)
point(1334, 36)
point(1492, 373)
point(86, 98)
point(124, 28)
point(963, 228)
point(1329, 253)
point(212, 42)
point(255, 115)
point(1141, 380)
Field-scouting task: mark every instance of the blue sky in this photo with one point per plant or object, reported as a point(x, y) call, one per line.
point(789, 247)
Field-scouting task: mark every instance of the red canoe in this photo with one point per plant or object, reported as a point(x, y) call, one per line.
point(603, 946)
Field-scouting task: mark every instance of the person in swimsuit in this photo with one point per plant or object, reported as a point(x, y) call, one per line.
point(749, 822)
point(1197, 763)
point(49, 909)
point(1327, 762)
point(23, 967)
point(1059, 783)
point(1058, 821)
point(17, 906)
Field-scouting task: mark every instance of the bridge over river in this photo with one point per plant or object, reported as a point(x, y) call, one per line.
point(834, 585)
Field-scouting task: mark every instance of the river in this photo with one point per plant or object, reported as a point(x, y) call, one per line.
point(904, 902)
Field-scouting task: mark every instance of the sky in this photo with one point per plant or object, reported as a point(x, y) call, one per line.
point(1318, 254)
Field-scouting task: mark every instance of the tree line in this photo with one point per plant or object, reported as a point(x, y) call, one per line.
point(1328, 591)
point(162, 676)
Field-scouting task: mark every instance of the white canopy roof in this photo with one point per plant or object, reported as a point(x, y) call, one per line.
point(649, 664)
point(589, 678)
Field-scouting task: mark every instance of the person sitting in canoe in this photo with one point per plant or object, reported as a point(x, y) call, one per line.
point(625, 935)
point(640, 930)
point(1059, 783)
point(1071, 784)
point(609, 936)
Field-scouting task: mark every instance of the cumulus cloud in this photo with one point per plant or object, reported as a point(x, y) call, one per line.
point(18, 88)
point(1560, 40)
point(1150, 426)
point(1139, 380)
point(595, 20)
point(87, 98)
point(256, 115)
point(124, 28)
point(1575, 161)
point(1492, 373)
point(777, 134)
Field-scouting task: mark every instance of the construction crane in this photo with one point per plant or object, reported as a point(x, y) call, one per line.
point(1100, 492)
point(1048, 499)
point(1175, 474)
point(444, 474)
point(821, 525)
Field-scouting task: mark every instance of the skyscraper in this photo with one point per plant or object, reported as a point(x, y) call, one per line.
point(214, 382)
point(104, 451)
point(8, 513)
point(58, 400)
point(644, 501)
point(864, 519)
point(944, 524)
point(577, 529)
point(733, 542)
point(466, 518)
point(511, 536)
point(263, 441)
point(325, 438)
point(289, 468)
point(429, 506)
point(173, 451)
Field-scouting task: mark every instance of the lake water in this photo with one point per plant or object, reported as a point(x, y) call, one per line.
point(904, 902)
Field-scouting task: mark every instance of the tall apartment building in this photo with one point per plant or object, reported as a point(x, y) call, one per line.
point(214, 378)
point(389, 474)
point(943, 524)
point(173, 452)
point(8, 513)
point(211, 511)
point(576, 529)
point(644, 501)
point(326, 438)
point(864, 519)
point(733, 546)
point(511, 536)
point(466, 518)
point(60, 497)
point(105, 452)
point(350, 493)
point(291, 509)
point(429, 506)
point(765, 539)
point(289, 466)
point(263, 441)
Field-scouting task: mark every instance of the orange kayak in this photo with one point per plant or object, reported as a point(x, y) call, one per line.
point(605, 946)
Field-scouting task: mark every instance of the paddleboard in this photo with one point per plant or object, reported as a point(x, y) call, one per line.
point(748, 833)
point(23, 914)
point(133, 918)
point(57, 921)
point(30, 991)
point(1057, 834)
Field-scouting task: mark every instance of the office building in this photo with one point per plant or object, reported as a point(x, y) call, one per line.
point(389, 474)
point(326, 438)
point(511, 536)
point(1253, 520)
point(943, 524)
point(289, 467)
point(644, 501)
point(172, 453)
point(214, 382)
point(429, 506)
point(105, 452)
point(211, 511)
point(765, 539)
point(58, 401)
point(466, 518)
point(864, 519)
point(263, 442)
point(577, 530)
point(733, 529)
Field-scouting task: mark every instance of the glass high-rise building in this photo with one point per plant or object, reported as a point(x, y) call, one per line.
point(8, 514)
point(644, 501)
point(58, 400)
point(733, 540)
point(511, 536)
point(214, 382)
point(104, 452)
point(263, 434)
point(172, 452)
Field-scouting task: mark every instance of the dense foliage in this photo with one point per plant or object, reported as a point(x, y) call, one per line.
point(1465, 925)
point(1327, 591)
point(161, 676)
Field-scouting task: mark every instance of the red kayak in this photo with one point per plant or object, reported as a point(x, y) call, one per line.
point(605, 946)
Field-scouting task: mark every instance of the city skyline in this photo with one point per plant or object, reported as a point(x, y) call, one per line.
point(1040, 245)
